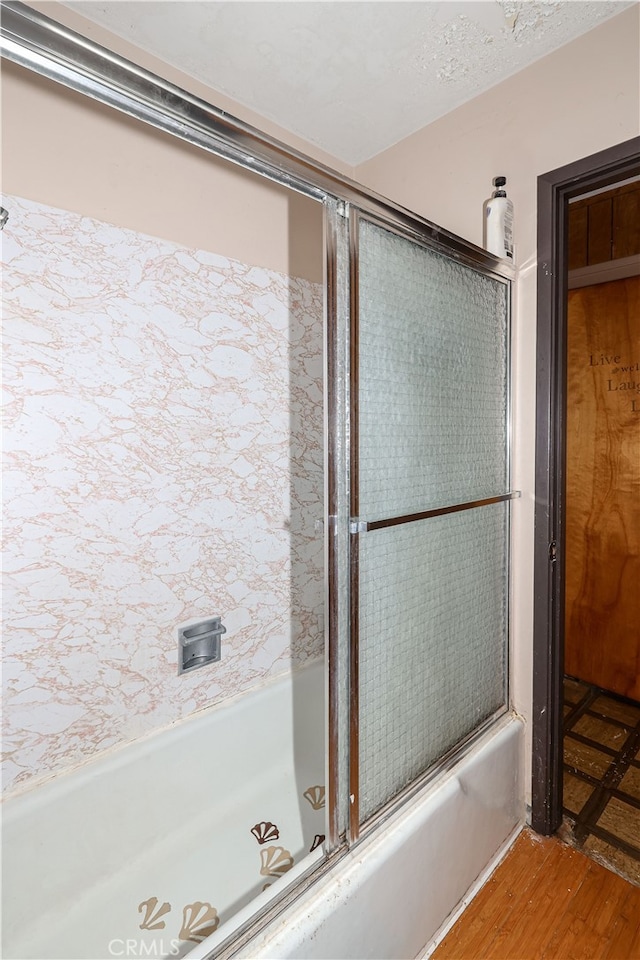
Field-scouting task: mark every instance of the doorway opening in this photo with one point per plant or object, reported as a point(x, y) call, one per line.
point(601, 686)
point(584, 439)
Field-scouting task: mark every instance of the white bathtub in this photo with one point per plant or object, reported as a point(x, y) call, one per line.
point(169, 818)
point(396, 893)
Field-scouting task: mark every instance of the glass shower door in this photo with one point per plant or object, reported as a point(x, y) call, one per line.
point(429, 530)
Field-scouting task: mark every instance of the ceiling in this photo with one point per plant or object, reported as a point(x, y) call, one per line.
point(353, 78)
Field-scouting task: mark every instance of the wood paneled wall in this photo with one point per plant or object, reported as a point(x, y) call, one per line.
point(602, 624)
point(605, 227)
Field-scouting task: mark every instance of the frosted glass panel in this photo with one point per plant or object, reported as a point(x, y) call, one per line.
point(432, 628)
point(432, 428)
point(433, 383)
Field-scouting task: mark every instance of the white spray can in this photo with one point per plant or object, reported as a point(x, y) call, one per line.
point(498, 221)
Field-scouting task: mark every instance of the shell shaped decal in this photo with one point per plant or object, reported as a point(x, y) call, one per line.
point(275, 861)
point(151, 920)
point(265, 832)
point(317, 840)
point(199, 920)
point(315, 796)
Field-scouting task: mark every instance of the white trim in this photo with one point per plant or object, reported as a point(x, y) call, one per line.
point(607, 189)
point(604, 272)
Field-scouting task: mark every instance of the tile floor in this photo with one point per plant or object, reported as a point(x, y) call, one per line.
point(602, 776)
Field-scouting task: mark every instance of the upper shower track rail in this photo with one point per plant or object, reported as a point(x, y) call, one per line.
point(39, 43)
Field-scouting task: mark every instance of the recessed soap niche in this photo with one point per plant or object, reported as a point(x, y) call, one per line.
point(199, 644)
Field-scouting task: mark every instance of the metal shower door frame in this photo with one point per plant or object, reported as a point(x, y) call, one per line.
point(357, 830)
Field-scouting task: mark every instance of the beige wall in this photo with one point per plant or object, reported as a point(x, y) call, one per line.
point(583, 98)
point(86, 158)
point(97, 33)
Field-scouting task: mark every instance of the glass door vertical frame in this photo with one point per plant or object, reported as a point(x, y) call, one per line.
point(331, 455)
point(337, 511)
point(354, 578)
point(509, 481)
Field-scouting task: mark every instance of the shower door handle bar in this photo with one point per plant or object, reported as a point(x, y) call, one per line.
point(366, 526)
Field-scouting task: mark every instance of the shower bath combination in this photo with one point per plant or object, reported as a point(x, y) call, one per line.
point(348, 752)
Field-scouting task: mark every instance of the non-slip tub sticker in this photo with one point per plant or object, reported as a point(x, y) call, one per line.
point(199, 919)
point(265, 832)
point(153, 914)
point(315, 796)
point(275, 861)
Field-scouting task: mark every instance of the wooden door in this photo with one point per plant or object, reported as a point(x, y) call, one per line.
point(602, 611)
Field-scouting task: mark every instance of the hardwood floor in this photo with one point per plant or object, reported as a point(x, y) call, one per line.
point(547, 901)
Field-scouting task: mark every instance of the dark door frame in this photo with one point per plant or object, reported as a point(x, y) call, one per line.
point(555, 189)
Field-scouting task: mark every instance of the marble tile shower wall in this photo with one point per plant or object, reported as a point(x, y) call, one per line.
point(163, 458)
